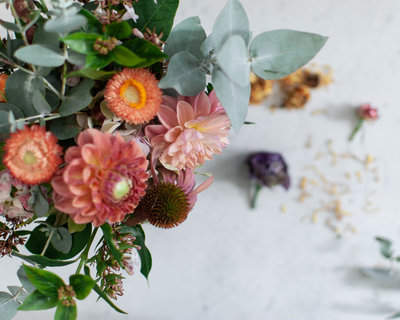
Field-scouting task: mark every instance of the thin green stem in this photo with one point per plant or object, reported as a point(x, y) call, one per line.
point(50, 86)
point(64, 74)
point(84, 255)
point(356, 129)
point(45, 9)
point(255, 195)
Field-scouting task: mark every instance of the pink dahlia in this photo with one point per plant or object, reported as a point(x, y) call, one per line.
point(192, 129)
point(103, 180)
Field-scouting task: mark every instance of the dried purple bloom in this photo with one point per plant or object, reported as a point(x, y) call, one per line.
point(267, 169)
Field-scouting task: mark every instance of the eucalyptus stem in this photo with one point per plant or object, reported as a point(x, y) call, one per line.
point(50, 86)
point(12, 63)
point(85, 253)
point(255, 196)
point(64, 78)
point(48, 242)
point(356, 129)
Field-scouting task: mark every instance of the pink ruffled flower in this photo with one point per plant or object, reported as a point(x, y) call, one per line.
point(103, 180)
point(192, 129)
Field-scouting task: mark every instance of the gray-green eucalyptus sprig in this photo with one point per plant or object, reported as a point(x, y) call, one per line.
point(228, 55)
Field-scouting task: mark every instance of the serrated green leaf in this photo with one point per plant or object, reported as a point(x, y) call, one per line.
point(103, 295)
point(120, 30)
point(64, 128)
point(156, 15)
point(8, 306)
point(82, 42)
point(46, 282)
point(39, 55)
point(188, 36)
point(235, 66)
point(40, 103)
point(125, 57)
point(43, 261)
point(185, 74)
point(77, 98)
point(278, 53)
point(62, 240)
point(65, 24)
point(66, 312)
point(108, 237)
point(82, 285)
point(38, 301)
point(144, 49)
point(233, 98)
point(40, 206)
point(231, 21)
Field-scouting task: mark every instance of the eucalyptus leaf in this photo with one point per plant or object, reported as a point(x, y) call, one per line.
point(207, 47)
point(234, 98)
point(10, 107)
point(46, 282)
point(40, 103)
point(62, 240)
point(65, 312)
point(38, 301)
point(40, 206)
point(5, 125)
point(65, 24)
point(23, 278)
point(77, 98)
point(188, 36)
point(40, 56)
point(278, 53)
point(76, 58)
point(236, 66)
point(394, 316)
point(231, 21)
point(185, 74)
point(10, 26)
point(49, 39)
point(35, 17)
point(8, 306)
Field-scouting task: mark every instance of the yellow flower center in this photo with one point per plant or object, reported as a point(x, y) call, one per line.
point(29, 158)
point(195, 125)
point(121, 189)
point(133, 92)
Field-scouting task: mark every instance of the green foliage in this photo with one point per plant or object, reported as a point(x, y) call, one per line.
point(102, 295)
point(39, 55)
point(148, 52)
point(108, 237)
point(96, 61)
point(74, 227)
point(385, 247)
point(43, 261)
point(23, 278)
point(61, 240)
point(82, 285)
point(46, 282)
point(77, 98)
point(64, 128)
point(125, 57)
point(82, 42)
point(65, 312)
point(13, 108)
point(8, 306)
point(119, 30)
point(38, 301)
point(92, 73)
point(40, 204)
point(65, 17)
point(40, 103)
point(159, 16)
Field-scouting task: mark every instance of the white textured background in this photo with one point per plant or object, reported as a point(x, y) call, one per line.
point(227, 262)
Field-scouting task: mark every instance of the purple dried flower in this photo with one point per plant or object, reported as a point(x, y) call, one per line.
point(267, 169)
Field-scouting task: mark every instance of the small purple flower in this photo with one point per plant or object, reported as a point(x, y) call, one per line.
point(267, 169)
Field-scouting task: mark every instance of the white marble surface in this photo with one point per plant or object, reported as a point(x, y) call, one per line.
point(227, 262)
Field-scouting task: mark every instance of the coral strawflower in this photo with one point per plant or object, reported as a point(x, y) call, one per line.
point(168, 201)
point(32, 154)
point(103, 180)
point(3, 79)
point(192, 129)
point(133, 95)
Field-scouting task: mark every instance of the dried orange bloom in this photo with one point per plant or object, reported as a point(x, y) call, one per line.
point(260, 89)
point(3, 79)
point(133, 95)
point(32, 154)
point(297, 97)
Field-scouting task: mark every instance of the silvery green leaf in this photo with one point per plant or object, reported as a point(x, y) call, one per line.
point(40, 56)
point(28, 286)
point(232, 20)
point(19, 91)
point(185, 74)
point(188, 36)
point(65, 24)
point(277, 53)
point(10, 107)
point(33, 19)
point(8, 306)
point(49, 39)
point(10, 26)
point(40, 206)
point(40, 103)
point(77, 98)
point(207, 47)
point(4, 124)
point(234, 98)
point(18, 292)
point(384, 275)
point(62, 240)
point(236, 66)
point(76, 58)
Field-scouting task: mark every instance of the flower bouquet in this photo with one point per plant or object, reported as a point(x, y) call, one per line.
point(106, 112)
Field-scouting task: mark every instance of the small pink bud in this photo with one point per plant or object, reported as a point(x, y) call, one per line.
point(367, 112)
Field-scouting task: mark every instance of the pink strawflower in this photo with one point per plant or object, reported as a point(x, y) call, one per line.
point(192, 129)
point(103, 180)
point(367, 112)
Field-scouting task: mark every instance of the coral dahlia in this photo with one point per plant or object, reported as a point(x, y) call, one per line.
point(192, 129)
point(32, 154)
point(133, 95)
point(103, 180)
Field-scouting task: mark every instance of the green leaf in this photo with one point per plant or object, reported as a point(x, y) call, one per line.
point(82, 42)
point(82, 285)
point(395, 315)
point(76, 58)
point(10, 107)
point(102, 294)
point(49, 39)
point(77, 98)
point(385, 247)
point(92, 74)
point(93, 24)
point(188, 36)
point(62, 240)
point(231, 21)
point(33, 18)
point(40, 56)
point(38, 301)
point(233, 98)
point(66, 312)
point(158, 15)
point(10, 26)
point(20, 87)
point(43, 261)
point(119, 30)
point(23, 278)
point(149, 52)
point(5, 125)
point(46, 282)
point(185, 74)
point(65, 24)
point(74, 227)
point(235, 66)
point(8, 306)
point(40, 103)
point(277, 53)
point(144, 253)
point(108, 236)
point(125, 57)
point(97, 61)
point(64, 128)
point(40, 206)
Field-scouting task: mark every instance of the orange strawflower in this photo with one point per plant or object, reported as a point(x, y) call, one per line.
point(32, 154)
point(133, 95)
point(3, 79)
